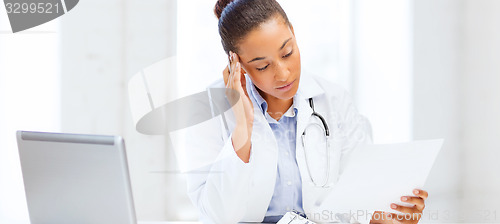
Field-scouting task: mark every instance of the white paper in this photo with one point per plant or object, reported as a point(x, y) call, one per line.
point(378, 175)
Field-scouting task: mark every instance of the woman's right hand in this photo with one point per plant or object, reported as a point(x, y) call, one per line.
point(234, 79)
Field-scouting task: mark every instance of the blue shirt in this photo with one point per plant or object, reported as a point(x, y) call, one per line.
point(287, 194)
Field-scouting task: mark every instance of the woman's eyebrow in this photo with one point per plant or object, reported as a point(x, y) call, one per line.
point(284, 43)
point(261, 58)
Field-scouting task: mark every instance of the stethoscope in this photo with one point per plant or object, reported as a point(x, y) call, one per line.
point(326, 136)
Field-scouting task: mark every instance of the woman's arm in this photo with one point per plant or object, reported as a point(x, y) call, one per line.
point(243, 109)
point(219, 188)
point(217, 179)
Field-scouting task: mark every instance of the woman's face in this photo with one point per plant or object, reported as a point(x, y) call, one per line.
point(270, 56)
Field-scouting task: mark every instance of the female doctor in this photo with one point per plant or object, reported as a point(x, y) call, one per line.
point(291, 134)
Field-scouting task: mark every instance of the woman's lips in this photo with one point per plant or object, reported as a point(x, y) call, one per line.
point(286, 87)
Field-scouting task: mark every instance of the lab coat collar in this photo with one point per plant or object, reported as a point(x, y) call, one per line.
point(308, 87)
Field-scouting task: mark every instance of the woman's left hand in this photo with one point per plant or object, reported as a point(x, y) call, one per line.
point(412, 214)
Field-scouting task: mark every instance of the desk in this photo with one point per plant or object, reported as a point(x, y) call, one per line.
point(145, 222)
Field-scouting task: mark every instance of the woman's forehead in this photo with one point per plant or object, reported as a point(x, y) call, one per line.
point(267, 39)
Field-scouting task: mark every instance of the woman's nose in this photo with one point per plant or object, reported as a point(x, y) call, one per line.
point(282, 72)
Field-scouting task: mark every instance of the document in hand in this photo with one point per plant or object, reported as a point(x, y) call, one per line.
point(378, 175)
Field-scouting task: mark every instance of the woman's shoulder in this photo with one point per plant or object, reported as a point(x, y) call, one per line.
point(341, 101)
point(324, 85)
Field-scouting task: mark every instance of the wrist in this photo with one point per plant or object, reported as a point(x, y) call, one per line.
point(241, 140)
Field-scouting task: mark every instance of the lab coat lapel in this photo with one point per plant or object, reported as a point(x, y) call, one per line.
point(307, 88)
point(303, 116)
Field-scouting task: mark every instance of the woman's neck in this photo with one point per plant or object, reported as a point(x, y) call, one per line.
point(276, 107)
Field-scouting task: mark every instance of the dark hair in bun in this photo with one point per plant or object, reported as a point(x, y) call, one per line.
point(238, 17)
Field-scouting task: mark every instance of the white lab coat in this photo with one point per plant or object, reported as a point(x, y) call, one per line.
point(227, 190)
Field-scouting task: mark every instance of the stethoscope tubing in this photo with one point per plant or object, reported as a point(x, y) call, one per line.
point(327, 146)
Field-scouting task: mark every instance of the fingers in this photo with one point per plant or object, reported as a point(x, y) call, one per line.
point(405, 209)
point(232, 71)
point(233, 60)
point(235, 74)
point(379, 217)
point(404, 218)
point(225, 75)
point(407, 215)
point(421, 193)
point(239, 75)
point(417, 201)
point(411, 213)
point(234, 78)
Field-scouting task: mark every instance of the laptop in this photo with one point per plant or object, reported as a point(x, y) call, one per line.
point(75, 178)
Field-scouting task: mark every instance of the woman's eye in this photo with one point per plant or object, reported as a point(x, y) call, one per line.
point(263, 68)
point(288, 55)
point(284, 56)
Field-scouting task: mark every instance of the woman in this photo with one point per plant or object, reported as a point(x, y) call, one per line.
point(261, 171)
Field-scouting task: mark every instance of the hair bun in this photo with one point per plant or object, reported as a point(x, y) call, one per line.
point(219, 7)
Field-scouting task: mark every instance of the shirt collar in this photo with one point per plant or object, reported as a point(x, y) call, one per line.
point(263, 104)
point(258, 98)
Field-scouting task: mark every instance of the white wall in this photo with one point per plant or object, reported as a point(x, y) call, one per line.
point(99, 54)
point(436, 58)
point(382, 67)
point(29, 90)
point(456, 96)
point(480, 108)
